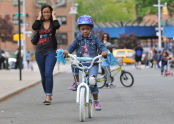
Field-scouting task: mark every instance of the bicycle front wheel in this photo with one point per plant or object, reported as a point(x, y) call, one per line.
point(126, 79)
point(90, 109)
point(82, 104)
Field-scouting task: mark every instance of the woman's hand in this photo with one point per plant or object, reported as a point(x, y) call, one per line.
point(104, 54)
point(39, 16)
point(65, 52)
point(54, 15)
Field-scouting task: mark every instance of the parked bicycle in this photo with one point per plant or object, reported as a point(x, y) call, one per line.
point(126, 78)
point(84, 96)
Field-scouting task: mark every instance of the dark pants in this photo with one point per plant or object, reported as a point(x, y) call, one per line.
point(164, 68)
point(46, 63)
point(2, 64)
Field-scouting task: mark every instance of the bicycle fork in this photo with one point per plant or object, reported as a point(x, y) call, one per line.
point(86, 90)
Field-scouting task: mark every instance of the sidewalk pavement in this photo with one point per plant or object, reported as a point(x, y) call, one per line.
point(11, 85)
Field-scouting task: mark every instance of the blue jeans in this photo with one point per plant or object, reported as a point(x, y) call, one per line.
point(164, 68)
point(46, 63)
point(92, 71)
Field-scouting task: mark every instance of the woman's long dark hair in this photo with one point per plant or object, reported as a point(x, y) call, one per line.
point(108, 37)
point(46, 6)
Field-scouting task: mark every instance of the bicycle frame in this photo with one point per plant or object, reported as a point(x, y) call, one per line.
point(117, 70)
point(84, 83)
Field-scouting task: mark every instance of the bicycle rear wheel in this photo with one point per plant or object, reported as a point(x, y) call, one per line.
point(126, 79)
point(82, 104)
point(101, 81)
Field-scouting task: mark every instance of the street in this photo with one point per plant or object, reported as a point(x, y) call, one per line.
point(149, 101)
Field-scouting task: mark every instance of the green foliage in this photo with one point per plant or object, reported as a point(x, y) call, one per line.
point(120, 10)
point(145, 7)
point(107, 10)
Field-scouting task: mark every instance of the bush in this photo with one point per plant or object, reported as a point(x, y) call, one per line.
point(127, 41)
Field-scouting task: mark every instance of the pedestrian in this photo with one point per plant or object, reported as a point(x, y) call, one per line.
point(87, 44)
point(105, 67)
point(145, 61)
point(151, 54)
point(108, 45)
point(46, 47)
point(2, 59)
point(164, 62)
point(155, 58)
point(159, 55)
point(31, 60)
point(106, 41)
point(138, 55)
point(27, 58)
point(6, 55)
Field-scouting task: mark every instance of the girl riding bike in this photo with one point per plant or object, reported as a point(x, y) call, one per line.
point(87, 44)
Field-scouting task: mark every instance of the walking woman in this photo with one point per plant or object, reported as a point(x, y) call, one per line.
point(46, 24)
point(105, 65)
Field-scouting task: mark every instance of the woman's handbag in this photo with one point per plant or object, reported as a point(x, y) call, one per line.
point(35, 37)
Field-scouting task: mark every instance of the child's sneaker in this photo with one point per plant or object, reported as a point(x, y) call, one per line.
point(111, 86)
point(73, 87)
point(97, 106)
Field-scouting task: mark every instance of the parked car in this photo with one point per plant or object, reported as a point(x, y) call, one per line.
point(11, 63)
point(127, 55)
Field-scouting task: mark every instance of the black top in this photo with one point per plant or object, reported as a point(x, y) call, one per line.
point(47, 40)
point(138, 51)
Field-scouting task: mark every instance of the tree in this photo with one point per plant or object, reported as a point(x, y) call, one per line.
point(128, 41)
point(107, 10)
point(6, 29)
point(145, 7)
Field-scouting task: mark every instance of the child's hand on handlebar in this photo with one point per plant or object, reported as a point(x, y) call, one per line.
point(104, 54)
point(65, 52)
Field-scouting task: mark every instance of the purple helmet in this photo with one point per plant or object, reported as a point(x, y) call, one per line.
point(85, 20)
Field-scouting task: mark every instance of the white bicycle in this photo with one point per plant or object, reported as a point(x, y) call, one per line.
point(84, 96)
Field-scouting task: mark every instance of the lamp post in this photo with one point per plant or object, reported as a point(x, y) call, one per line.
point(159, 5)
point(19, 50)
point(24, 34)
point(73, 12)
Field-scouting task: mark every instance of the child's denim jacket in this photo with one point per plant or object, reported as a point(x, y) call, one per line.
point(93, 44)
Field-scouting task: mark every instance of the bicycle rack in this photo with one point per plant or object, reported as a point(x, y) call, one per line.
point(78, 92)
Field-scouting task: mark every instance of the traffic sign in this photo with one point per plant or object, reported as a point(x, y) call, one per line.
point(17, 14)
point(158, 28)
point(16, 37)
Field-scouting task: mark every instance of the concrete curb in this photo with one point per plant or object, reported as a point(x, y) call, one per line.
point(20, 90)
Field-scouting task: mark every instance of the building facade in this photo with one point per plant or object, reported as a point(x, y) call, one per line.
point(62, 8)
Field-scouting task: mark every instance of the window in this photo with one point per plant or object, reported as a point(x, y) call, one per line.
point(60, 3)
point(130, 53)
point(15, 19)
point(62, 38)
point(62, 20)
point(39, 3)
point(120, 53)
point(15, 2)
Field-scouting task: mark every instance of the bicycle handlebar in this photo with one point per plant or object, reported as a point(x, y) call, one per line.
point(78, 59)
